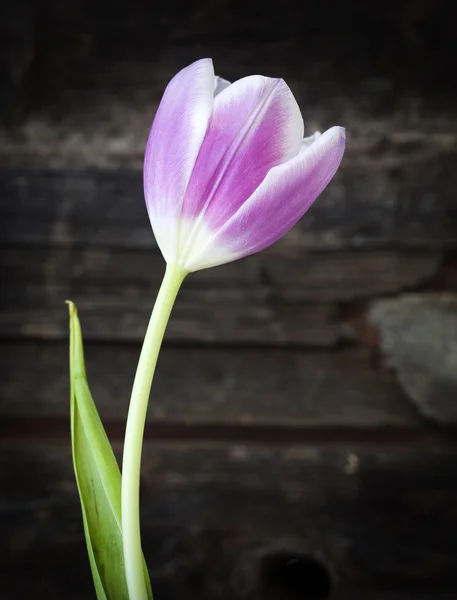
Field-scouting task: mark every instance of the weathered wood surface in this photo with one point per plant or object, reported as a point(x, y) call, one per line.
point(17, 41)
point(95, 74)
point(271, 299)
point(293, 276)
point(366, 205)
point(265, 447)
point(211, 386)
point(248, 323)
point(380, 520)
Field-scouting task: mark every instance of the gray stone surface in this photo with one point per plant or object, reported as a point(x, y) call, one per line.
point(419, 339)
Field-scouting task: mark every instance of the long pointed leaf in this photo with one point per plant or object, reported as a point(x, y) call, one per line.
point(98, 479)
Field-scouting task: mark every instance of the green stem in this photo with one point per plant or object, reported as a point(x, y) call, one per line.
point(133, 556)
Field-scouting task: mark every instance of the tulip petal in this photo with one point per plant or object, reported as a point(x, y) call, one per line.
point(256, 125)
point(307, 141)
point(220, 85)
point(279, 202)
point(174, 142)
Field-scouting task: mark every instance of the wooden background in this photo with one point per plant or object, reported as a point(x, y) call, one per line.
point(301, 437)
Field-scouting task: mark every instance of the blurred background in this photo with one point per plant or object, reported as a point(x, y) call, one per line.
point(301, 435)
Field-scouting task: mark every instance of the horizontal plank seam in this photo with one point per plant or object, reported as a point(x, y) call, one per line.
point(429, 436)
point(338, 345)
point(312, 248)
point(347, 347)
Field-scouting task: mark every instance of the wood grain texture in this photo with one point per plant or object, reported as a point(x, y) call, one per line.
point(17, 47)
point(297, 276)
point(258, 322)
point(276, 430)
point(273, 298)
point(365, 206)
point(381, 520)
point(375, 76)
point(210, 387)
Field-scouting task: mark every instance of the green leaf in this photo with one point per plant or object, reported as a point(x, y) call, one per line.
point(98, 479)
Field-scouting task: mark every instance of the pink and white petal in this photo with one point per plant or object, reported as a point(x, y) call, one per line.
point(256, 124)
point(280, 201)
point(307, 141)
point(174, 142)
point(220, 85)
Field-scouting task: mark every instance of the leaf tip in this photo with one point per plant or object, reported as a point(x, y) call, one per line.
point(71, 308)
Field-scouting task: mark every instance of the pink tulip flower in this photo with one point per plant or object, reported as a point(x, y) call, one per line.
point(227, 171)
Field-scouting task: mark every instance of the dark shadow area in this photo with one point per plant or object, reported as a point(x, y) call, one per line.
point(295, 577)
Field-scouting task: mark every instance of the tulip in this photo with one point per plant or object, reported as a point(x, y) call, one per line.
point(227, 171)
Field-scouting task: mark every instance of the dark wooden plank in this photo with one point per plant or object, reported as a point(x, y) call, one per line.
point(271, 298)
point(210, 386)
point(298, 276)
point(366, 205)
point(345, 276)
point(17, 46)
point(399, 26)
point(397, 181)
point(41, 314)
point(218, 519)
point(376, 75)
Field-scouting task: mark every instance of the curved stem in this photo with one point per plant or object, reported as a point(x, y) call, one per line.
point(133, 443)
